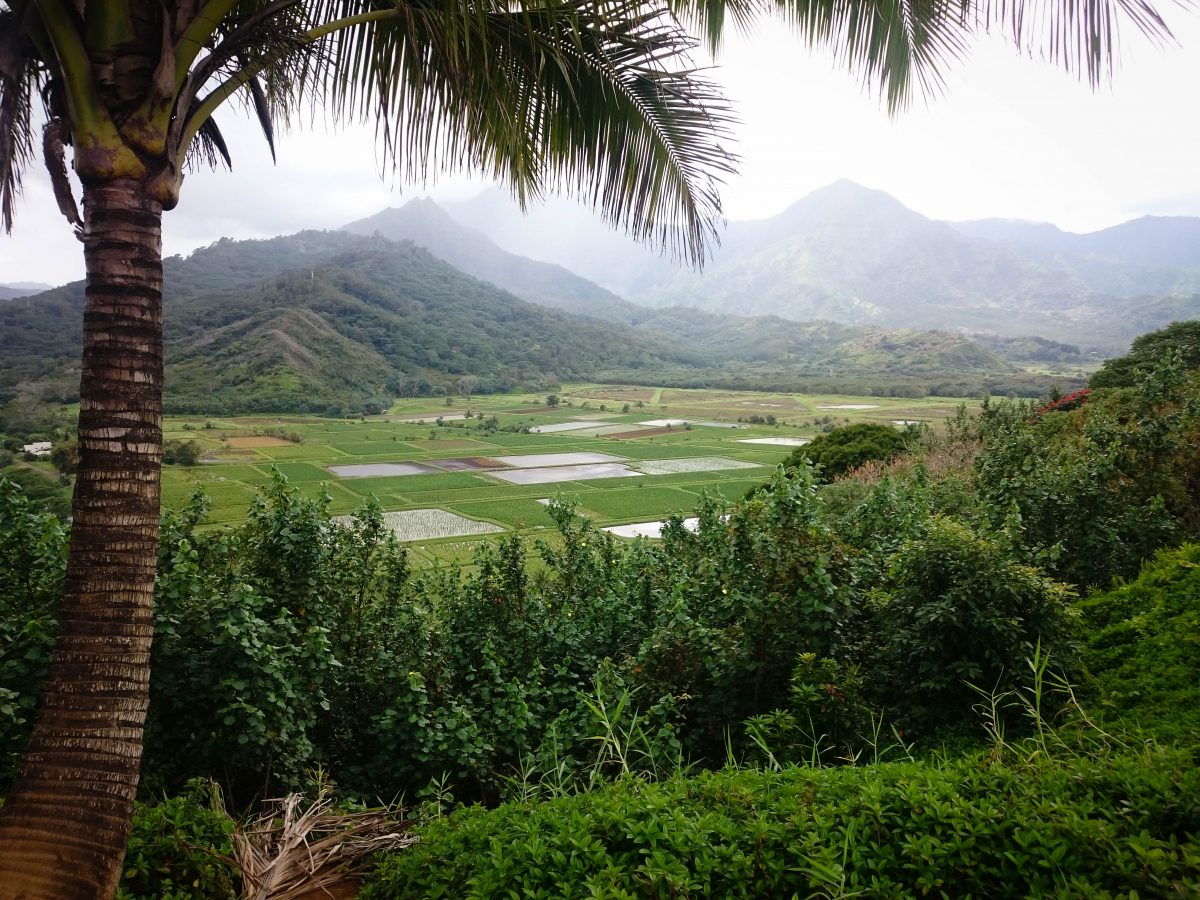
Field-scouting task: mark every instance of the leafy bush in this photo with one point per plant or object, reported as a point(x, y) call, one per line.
point(1083, 827)
point(181, 848)
point(954, 611)
point(1148, 351)
point(826, 720)
point(1142, 645)
point(844, 449)
point(32, 568)
point(1089, 494)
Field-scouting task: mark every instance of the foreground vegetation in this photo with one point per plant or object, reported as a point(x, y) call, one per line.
point(974, 673)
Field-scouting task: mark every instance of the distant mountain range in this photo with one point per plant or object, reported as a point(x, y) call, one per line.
point(858, 256)
point(22, 289)
point(426, 224)
point(846, 283)
point(341, 321)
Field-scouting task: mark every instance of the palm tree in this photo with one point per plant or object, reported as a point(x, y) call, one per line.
point(596, 96)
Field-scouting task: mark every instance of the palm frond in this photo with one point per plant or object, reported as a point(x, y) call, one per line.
point(898, 45)
point(905, 44)
point(262, 109)
point(1082, 36)
point(710, 18)
point(595, 97)
point(298, 848)
point(209, 148)
point(17, 81)
point(54, 157)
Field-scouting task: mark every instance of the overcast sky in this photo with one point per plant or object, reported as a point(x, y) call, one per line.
point(1009, 136)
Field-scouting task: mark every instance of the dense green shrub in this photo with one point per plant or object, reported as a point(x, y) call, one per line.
point(1091, 493)
point(826, 720)
point(32, 567)
point(266, 640)
point(181, 848)
point(971, 827)
point(1148, 351)
point(844, 449)
point(955, 611)
point(1142, 646)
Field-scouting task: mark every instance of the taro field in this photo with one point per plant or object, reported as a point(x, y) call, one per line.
point(450, 474)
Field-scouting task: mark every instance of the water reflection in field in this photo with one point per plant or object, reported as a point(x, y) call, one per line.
point(565, 473)
point(376, 470)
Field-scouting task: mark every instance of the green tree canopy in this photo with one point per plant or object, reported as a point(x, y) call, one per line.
point(1148, 351)
point(845, 449)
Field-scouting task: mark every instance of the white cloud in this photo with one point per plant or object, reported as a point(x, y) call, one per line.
point(1009, 137)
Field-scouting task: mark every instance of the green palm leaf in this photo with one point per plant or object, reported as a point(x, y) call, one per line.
point(16, 126)
point(599, 99)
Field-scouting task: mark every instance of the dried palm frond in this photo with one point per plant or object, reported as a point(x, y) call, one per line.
point(298, 848)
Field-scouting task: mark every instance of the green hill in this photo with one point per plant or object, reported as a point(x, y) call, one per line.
point(336, 321)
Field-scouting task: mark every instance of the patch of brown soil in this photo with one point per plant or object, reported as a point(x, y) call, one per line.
point(231, 456)
point(445, 444)
point(617, 394)
point(642, 432)
point(256, 440)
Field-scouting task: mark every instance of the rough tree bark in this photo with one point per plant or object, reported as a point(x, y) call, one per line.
point(87, 741)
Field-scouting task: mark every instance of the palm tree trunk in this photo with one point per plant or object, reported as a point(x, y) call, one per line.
point(64, 827)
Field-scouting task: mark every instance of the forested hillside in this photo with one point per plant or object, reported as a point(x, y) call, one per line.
point(336, 321)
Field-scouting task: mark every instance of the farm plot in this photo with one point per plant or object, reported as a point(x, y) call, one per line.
point(405, 484)
point(439, 481)
point(625, 434)
point(685, 447)
point(229, 499)
point(257, 440)
point(387, 448)
point(466, 464)
point(777, 441)
point(438, 444)
point(515, 513)
point(223, 472)
point(692, 464)
point(301, 471)
point(552, 474)
point(303, 451)
point(564, 426)
point(540, 460)
point(232, 456)
point(601, 431)
point(648, 529)
point(427, 524)
point(378, 470)
point(635, 502)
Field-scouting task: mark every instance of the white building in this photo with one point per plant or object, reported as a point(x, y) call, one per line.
point(38, 448)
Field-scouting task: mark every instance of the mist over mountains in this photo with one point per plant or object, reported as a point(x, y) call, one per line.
point(858, 256)
point(846, 283)
point(22, 289)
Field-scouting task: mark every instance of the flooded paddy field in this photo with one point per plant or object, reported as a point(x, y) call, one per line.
point(627, 457)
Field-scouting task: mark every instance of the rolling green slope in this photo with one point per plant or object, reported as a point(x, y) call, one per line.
point(332, 321)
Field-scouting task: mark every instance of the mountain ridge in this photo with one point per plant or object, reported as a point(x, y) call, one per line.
point(323, 321)
point(857, 255)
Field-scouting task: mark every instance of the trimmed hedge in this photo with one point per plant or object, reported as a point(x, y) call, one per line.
point(1082, 826)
